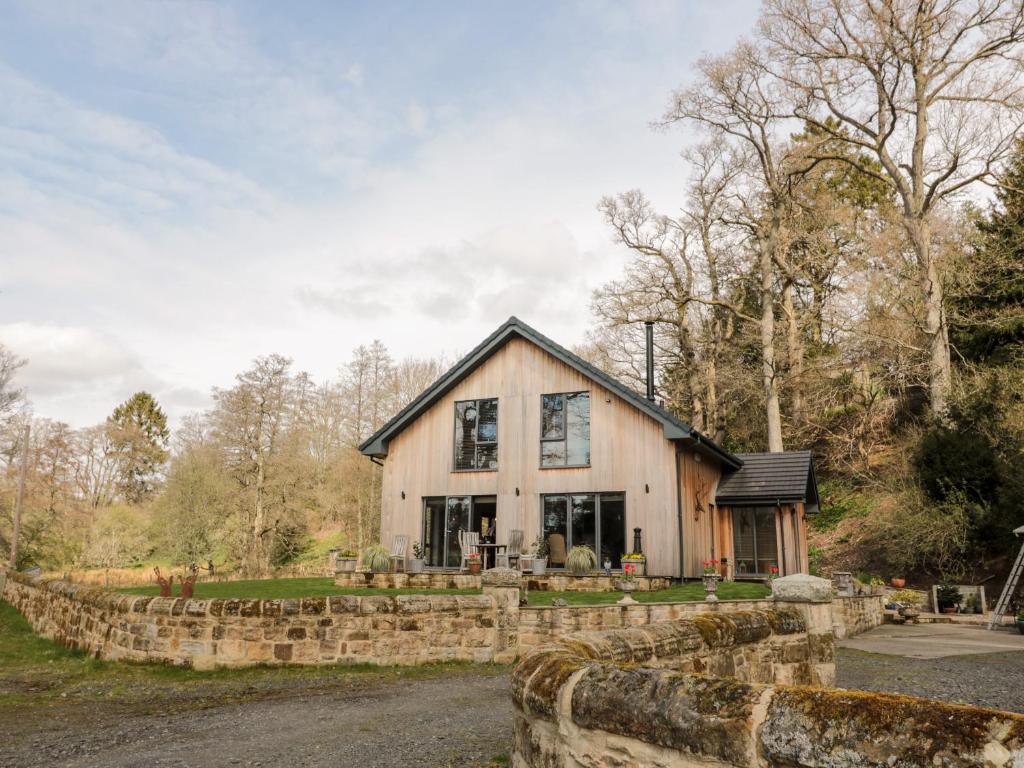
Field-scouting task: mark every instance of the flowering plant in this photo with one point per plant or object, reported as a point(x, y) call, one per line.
point(473, 557)
point(628, 572)
point(638, 556)
point(710, 567)
point(773, 571)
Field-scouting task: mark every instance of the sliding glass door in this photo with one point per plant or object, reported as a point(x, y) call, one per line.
point(444, 518)
point(754, 540)
point(596, 520)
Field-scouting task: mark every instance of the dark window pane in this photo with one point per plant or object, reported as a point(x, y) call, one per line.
point(487, 422)
point(552, 421)
point(465, 435)
point(578, 428)
point(487, 456)
point(433, 531)
point(552, 454)
point(767, 552)
point(743, 540)
point(555, 529)
point(613, 529)
point(458, 520)
point(584, 522)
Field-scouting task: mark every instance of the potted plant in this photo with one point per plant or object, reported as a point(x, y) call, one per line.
point(526, 560)
point(897, 582)
point(1020, 621)
point(908, 603)
point(418, 558)
point(773, 572)
point(877, 585)
point(639, 562)
point(347, 559)
point(627, 584)
point(948, 598)
point(377, 559)
point(473, 562)
point(710, 578)
point(540, 556)
point(581, 560)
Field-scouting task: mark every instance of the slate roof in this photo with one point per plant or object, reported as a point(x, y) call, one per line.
point(675, 429)
point(770, 478)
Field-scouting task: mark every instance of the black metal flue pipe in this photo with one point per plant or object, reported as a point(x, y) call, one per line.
point(649, 331)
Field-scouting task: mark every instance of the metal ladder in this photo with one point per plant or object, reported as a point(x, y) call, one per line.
point(1009, 590)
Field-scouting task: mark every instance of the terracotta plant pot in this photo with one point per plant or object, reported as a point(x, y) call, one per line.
point(899, 583)
point(474, 568)
point(949, 609)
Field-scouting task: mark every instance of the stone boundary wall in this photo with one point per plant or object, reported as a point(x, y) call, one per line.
point(344, 629)
point(553, 582)
point(853, 615)
point(630, 697)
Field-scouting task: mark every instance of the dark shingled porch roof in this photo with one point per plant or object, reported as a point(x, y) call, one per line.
point(769, 479)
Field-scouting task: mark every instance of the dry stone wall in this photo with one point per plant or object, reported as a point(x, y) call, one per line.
point(345, 629)
point(553, 582)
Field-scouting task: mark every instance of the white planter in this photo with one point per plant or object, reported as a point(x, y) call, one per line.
point(416, 565)
point(347, 564)
point(540, 566)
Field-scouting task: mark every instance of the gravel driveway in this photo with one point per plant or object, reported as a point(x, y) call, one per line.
point(456, 721)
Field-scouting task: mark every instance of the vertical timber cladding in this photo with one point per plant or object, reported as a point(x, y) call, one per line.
point(628, 452)
point(702, 525)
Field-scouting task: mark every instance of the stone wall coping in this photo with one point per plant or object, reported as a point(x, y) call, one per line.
point(594, 686)
point(148, 605)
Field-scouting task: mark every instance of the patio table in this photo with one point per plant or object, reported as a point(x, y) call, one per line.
point(494, 549)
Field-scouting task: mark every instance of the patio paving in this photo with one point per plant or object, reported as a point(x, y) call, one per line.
point(934, 641)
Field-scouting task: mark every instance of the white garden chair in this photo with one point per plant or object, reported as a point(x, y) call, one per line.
point(515, 546)
point(398, 545)
point(468, 541)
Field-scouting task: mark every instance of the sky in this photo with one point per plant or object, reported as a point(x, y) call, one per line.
point(185, 186)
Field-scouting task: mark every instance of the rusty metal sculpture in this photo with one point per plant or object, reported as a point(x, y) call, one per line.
point(165, 584)
point(188, 584)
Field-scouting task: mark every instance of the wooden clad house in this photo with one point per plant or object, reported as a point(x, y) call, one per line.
point(523, 434)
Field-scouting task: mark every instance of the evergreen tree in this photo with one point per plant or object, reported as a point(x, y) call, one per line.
point(988, 324)
point(139, 436)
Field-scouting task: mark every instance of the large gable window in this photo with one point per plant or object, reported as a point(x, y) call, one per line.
point(476, 434)
point(565, 430)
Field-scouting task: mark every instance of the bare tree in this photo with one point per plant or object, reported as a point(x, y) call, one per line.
point(736, 101)
point(931, 87)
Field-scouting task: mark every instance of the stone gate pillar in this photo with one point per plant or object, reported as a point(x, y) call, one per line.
point(812, 597)
point(502, 585)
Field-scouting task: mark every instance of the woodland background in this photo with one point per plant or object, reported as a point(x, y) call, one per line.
point(844, 272)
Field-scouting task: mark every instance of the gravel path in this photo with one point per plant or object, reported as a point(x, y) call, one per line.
point(459, 722)
point(451, 721)
point(993, 680)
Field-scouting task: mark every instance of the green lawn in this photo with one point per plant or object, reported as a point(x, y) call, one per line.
point(318, 587)
point(689, 592)
point(269, 589)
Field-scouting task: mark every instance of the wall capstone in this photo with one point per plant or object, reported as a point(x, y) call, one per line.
point(802, 588)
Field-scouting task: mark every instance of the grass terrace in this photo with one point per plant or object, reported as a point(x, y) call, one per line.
point(269, 589)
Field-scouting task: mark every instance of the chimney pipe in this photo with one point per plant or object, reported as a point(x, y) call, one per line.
point(649, 331)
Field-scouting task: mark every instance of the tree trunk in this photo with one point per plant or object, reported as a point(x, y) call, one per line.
point(773, 414)
point(795, 353)
point(940, 374)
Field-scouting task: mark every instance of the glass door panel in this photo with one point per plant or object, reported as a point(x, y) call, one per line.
point(556, 529)
point(458, 521)
point(584, 522)
point(767, 545)
point(743, 540)
point(433, 531)
point(613, 530)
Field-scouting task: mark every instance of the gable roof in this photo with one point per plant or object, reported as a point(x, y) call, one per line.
point(770, 478)
point(675, 429)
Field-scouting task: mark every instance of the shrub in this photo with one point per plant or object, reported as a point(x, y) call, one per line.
point(377, 558)
point(948, 596)
point(957, 462)
point(581, 560)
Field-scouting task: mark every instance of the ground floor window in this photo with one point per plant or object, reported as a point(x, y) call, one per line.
point(597, 520)
point(445, 517)
point(755, 544)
